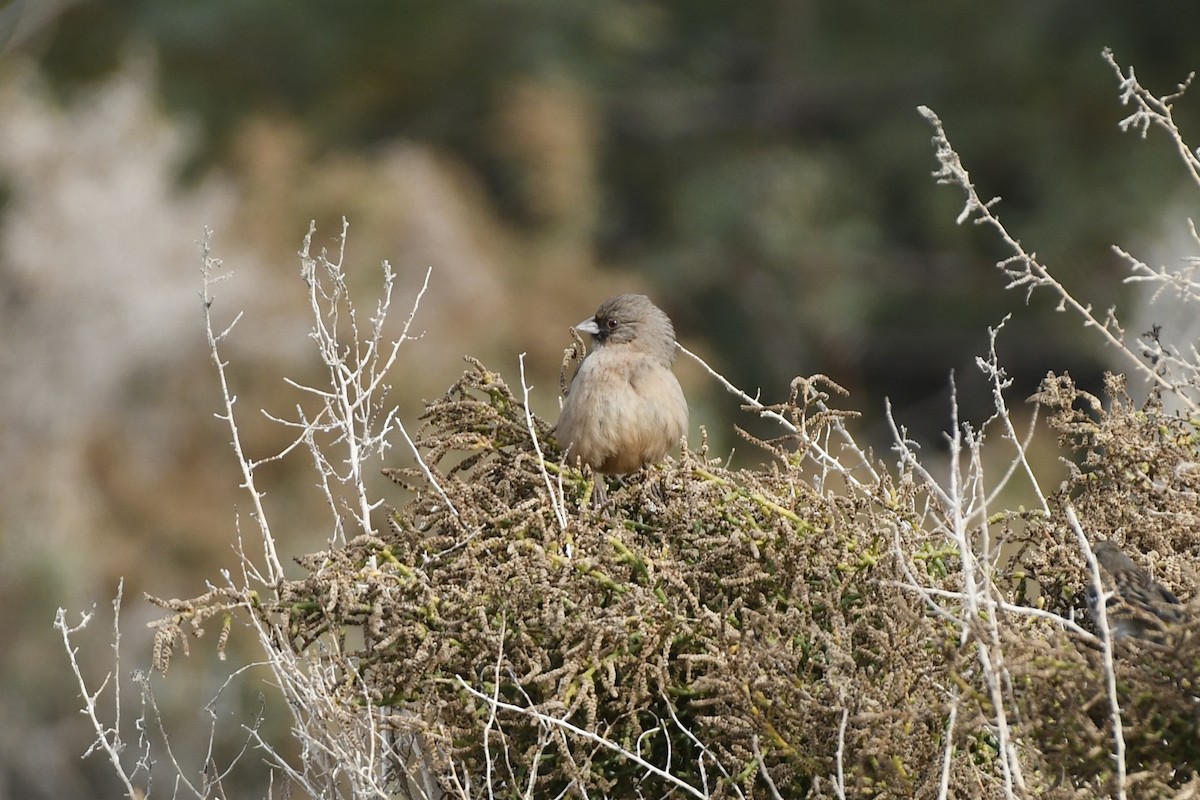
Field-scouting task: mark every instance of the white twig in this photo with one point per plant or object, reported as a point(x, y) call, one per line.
point(353, 409)
point(762, 769)
point(1023, 269)
point(429, 476)
point(274, 569)
point(557, 501)
point(705, 751)
point(345, 750)
point(960, 501)
point(491, 721)
point(948, 751)
point(999, 382)
point(763, 411)
point(819, 453)
point(1153, 110)
point(1106, 639)
point(993, 605)
point(108, 739)
point(587, 735)
point(839, 785)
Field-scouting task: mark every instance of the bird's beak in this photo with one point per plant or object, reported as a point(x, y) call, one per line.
point(589, 326)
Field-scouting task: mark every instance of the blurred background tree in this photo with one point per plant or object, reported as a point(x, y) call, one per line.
point(759, 164)
point(759, 168)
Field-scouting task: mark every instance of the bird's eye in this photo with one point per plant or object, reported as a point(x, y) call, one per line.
point(612, 324)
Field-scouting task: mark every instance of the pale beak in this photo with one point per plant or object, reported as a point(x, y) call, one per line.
point(589, 326)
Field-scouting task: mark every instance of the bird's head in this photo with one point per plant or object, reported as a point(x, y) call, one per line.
point(634, 321)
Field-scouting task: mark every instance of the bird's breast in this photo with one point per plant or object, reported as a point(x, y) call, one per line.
point(622, 412)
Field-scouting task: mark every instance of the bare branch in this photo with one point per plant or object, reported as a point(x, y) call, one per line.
point(108, 738)
point(1023, 269)
point(584, 734)
point(1106, 639)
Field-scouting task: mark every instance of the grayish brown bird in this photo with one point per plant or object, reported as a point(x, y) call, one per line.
point(1139, 607)
point(625, 409)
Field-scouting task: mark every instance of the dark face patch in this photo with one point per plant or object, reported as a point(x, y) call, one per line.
point(631, 319)
point(615, 326)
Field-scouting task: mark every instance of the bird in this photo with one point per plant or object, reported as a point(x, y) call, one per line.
point(624, 409)
point(1139, 607)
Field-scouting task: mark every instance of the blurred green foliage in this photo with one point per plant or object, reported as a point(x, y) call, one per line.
point(761, 161)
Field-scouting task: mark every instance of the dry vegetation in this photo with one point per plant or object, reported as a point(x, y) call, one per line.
point(834, 625)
